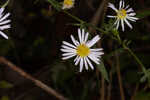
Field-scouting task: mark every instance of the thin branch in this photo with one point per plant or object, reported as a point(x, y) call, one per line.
point(119, 77)
point(135, 92)
point(102, 90)
point(110, 82)
point(98, 15)
point(38, 83)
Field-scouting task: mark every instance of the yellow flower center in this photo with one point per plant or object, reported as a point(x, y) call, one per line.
point(82, 50)
point(121, 14)
point(68, 2)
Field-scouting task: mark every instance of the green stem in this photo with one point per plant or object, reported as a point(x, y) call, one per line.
point(119, 39)
point(74, 17)
point(137, 59)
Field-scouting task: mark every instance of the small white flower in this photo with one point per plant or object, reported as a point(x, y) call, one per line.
point(123, 14)
point(67, 4)
point(82, 50)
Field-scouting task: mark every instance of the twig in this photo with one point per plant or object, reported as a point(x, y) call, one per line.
point(110, 78)
point(98, 15)
point(38, 83)
point(119, 78)
point(135, 92)
point(94, 21)
point(102, 90)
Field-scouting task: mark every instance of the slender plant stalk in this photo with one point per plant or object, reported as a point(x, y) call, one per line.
point(119, 77)
point(38, 83)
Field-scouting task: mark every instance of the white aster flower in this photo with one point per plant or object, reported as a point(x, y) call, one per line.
point(124, 14)
point(82, 50)
point(67, 4)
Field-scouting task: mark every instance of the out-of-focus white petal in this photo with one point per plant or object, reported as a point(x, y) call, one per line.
point(130, 10)
point(120, 4)
point(5, 22)
point(110, 16)
point(4, 17)
point(128, 23)
point(112, 6)
point(4, 27)
point(4, 35)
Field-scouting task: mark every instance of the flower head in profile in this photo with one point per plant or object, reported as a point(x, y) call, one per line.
point(67, 4)
point(82, 50)
point(123, 15)
point(4, 22)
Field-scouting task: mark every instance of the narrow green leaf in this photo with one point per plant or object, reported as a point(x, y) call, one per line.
point(55, 4)
point(4, 84)
point(5, 4)
point(103, 71)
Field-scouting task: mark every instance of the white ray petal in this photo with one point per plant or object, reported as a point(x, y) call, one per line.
point(95, 60)
point(110, 16)
point(66, 50)
point(67, 54)
point(76, 58)
point(4, 17)
point(67, 57)
point(4, 35)
point(99, 49)
point(118, 22)
point(68, 44)
point(85, 62)
point(128, 23)
point(1, 11)
point(112, 6)
point(120, 4)
point(88, 61)
point(79, 35)
point(81, 64)
point(77, 61)
point(93, 41)
point(130, 10)
point(82, 35)
point(122, 24)
point(67, 47)
point(134, 18)
point(127, 7)
point(5, 22)
point(86, 37)
point(132, 14)
point(4, 27)
point(97, 53)
point(73, 40)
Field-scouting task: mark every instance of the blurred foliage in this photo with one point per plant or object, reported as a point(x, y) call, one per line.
point(5, 84)
point(4, 98)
